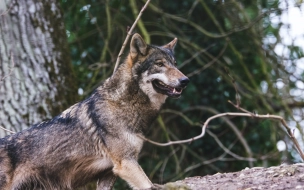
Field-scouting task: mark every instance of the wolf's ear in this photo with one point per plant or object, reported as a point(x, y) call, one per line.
point(137, 45)
point(171, 45)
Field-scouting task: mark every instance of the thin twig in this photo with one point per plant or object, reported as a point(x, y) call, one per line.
point(195, 55)
point(210, 34)
point(237, 94)
point(208, 64)
point(227, 150)
point(129, 33)
point(237, 106)
point(7, 130)
point(5, 12)
point(2, 79)
point(162, 170)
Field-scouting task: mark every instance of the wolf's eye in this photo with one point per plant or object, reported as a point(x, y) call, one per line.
point(160, 64)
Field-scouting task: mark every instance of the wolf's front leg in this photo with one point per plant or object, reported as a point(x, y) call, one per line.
point(131, 172)
point(107, 181)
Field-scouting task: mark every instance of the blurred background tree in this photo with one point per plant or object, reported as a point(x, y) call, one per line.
point(229, 50)
point(36, 76)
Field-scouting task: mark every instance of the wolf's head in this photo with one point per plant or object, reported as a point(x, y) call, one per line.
point(155, 69)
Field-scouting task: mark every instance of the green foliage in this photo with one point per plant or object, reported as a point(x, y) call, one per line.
point(221, 45)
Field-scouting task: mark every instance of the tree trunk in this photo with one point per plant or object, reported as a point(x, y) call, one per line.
point(36, 77)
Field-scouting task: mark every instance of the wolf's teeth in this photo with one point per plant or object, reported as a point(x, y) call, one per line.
point(174, 91)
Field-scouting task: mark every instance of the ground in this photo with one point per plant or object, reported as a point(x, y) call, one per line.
point(289, 177)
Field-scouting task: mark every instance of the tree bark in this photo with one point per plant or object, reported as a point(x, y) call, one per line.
point(36, 76)
point(284, 177)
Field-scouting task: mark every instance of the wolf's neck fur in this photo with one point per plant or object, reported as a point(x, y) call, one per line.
point(127, 101)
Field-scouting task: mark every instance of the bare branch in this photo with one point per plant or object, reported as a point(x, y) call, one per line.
point(247, 114)
point(288, 129)
point(129, 33)
point(233, 127)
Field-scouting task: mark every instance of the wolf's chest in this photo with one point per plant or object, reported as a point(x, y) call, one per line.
point(93, 165)
point(134, 141)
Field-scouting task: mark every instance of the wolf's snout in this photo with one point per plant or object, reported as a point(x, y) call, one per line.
point(184, 81)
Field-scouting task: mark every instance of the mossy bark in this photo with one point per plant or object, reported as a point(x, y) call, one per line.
point(36, 77)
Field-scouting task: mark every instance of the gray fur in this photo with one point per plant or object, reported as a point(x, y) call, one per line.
point(96, 139)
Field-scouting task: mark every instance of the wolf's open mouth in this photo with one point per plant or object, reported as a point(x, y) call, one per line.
point(170, 91)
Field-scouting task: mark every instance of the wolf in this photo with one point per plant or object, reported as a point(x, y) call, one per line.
point(98, 138)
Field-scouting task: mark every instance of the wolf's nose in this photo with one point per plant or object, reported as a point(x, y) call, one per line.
point(184, 81)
